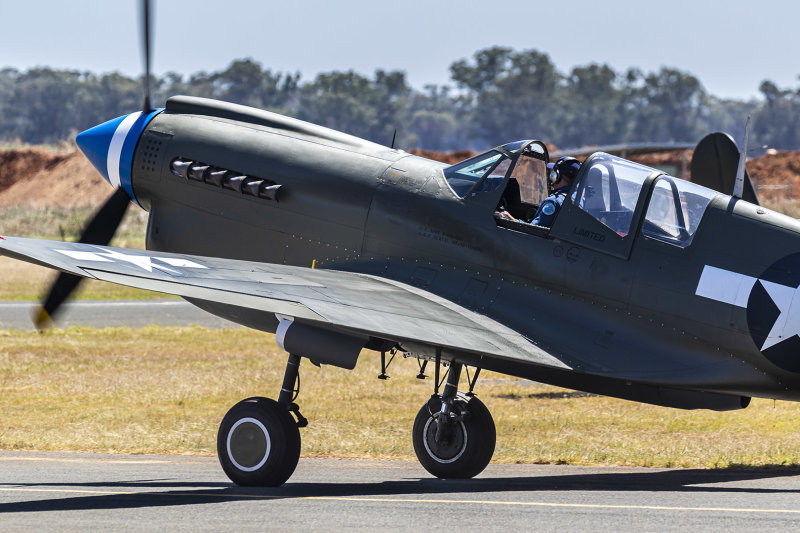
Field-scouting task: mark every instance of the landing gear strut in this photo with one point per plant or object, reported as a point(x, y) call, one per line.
point(454, 434)
point(258, 442)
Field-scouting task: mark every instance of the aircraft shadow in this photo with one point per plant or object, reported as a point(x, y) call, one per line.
point(186, 493)
point(545, 395)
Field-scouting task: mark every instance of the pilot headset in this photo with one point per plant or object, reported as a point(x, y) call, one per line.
point(565, 166)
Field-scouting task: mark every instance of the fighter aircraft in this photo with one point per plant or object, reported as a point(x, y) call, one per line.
point(646, 287)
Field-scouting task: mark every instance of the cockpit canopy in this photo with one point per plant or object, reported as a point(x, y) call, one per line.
point(525, 161)
point(608, 188)
point(619, 196)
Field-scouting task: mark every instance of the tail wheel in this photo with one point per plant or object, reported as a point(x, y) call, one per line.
point(462, 448)
point(258, 443)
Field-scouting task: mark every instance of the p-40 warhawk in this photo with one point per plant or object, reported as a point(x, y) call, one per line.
point(638, 290)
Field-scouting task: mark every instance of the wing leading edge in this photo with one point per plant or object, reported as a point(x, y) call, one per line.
point(358, 303)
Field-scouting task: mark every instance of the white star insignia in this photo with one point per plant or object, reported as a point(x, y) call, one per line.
point(787, 324)
point(142, 261)
point(145, 262)
point(734, 289)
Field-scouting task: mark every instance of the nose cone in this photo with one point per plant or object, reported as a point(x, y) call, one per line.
point(95, 143)
point(110, 147)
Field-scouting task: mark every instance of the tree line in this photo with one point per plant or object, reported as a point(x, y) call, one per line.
point(498, 95)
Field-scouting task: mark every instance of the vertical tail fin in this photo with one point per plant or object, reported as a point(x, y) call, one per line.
point(715, 164)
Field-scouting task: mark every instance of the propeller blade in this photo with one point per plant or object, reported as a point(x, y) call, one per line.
point(103, 225)
point(146, 108)
point(99, 230)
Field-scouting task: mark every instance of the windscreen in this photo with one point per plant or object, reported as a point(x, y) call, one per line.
point(462, 177)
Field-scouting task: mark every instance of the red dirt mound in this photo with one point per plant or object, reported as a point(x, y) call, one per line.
point(776, 168)
point(61, 181)
point(444, 157)
point(776, 176)
point(19, 164)
point(676, 158)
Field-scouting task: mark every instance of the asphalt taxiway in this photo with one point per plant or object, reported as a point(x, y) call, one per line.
point(71, 492)
point(76, 492)
point(114, 313)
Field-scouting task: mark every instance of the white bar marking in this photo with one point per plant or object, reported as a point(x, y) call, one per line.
point(177, 262)
point(84, 256)
point(725, 286)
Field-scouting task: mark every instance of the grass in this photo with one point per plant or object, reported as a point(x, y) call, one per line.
point(61, 147)
point(787, 206)
point(24, 281)
point(164, 390)
point(66, 224)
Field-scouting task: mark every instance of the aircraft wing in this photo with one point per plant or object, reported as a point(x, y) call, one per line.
point(358, 303)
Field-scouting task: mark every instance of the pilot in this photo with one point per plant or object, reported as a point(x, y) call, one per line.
point(562, 174)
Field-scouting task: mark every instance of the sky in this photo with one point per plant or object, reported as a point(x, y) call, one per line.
point(731, 46)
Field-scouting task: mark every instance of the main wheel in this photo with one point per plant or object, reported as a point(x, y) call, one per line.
point(258, 443)
point(466, 446)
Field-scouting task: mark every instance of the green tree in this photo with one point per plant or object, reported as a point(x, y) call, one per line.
point(512, 95)
point(435, 120)
point(245, 82)
point(496, 96)
point(592, 109)
point(729, 115)
point(777, 123)
point(355, 104)
point(668, 105)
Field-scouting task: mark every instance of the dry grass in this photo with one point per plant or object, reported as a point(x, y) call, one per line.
point(787, 206)
point(66, 224)
point(24, 281)
point(164, 390)
point(62, 147)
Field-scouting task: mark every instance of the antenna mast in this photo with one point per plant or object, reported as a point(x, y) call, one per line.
point(738, 185)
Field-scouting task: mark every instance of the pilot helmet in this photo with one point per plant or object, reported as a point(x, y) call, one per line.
point(566, 167)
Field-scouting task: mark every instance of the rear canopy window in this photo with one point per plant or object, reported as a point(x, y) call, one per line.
point(675, 210)
point(609, 190)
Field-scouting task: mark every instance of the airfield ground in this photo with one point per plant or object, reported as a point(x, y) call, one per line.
point(164, 390)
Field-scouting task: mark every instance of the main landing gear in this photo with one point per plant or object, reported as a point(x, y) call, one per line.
point(454, 434)
point(258, 442)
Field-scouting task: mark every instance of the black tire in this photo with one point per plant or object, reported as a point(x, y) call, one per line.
point(258, 443)
point(470, 449)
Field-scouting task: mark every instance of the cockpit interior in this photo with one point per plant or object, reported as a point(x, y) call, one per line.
point(607, 187)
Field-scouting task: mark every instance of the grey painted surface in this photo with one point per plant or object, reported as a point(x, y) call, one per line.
point(640, 330)
point(397, 256)
point(102, 313)
point(637, 327)
point(71, 492)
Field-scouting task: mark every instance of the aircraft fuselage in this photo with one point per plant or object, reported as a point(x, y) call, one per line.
point(348, 204)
